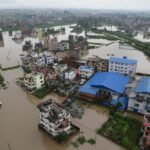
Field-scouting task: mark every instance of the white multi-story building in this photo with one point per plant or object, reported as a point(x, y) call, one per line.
point(53, 118)
point(123, 66)
point(139, 101)
point(86, 71)
point(70, 74)
point(49, 59)
point(33, 81)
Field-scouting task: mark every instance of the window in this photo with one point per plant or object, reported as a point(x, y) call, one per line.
point(136, 105)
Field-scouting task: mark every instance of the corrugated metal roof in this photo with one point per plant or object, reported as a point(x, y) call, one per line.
point(143, 85)
point(122, 60)
point(105, 80)
point(85, 68)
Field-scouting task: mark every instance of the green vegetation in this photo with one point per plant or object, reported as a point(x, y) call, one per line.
point(1, 79)
point(62, 137)
point(41, 93)
point(123, 130)
point(91, 141)
point(81, 140)
point(10, 68)
point(105, 36)
point(128, 39)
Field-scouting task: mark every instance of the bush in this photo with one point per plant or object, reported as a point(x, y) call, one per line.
point(62, 137)
point(1, 79)
point(81, 140)
point(91, 141)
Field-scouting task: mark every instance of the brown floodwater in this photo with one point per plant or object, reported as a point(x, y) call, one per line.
point(19, 116)
point(19, 119)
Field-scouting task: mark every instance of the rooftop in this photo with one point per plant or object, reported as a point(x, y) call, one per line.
point(110, 81)
point(123, 60)
point(85, 67)
point(143, 85)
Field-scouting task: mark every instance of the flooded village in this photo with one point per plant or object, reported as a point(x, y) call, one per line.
point(59, 85)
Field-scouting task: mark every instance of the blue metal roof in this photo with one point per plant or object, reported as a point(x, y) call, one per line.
point(143, 85)
point(87, 88)
point(122, 100)
point(112, 81)
point(85, 67)
point(107, 81)
point(122, 60)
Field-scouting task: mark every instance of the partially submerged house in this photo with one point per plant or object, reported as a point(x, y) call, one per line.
point(53, 118)
point(67, 87)
point(33, 81)
point(139, 101)
point(104, 87)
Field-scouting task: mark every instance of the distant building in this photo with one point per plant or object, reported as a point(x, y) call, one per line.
point(106, 87)
point(1, 38)
point(78, 46)
point(86, 71)
point(53, 118)
point(33, 81)
point(140, 101)
point(123, 66)
point(98, 64)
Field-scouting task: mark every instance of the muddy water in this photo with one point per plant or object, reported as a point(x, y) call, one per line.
point(19, 116)
point(19, 119)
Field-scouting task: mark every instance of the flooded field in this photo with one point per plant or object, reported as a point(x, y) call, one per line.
point(19, 119)
point(141, 38)
point(118, 51)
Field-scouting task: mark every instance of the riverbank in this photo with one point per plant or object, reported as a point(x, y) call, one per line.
point(128, 39)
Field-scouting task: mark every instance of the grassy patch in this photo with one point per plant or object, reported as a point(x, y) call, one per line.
point(10, 68)
point(41, 93)
point(123, 130)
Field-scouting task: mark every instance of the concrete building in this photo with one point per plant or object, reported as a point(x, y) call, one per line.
point(86, 71)
point(78, 46)
point(33, 81)
point(70, 74)
point(146, 130)
point(98, 64)
point(139, 101)
point(123, 66)
point(53, 118)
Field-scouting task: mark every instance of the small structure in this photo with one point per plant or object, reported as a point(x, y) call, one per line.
point(53, 118)
point(104, 87)
point(33, 81)
point(123, 66)
point(86, 71)
point(139, 101)
point(67, 87)
point(98, 64)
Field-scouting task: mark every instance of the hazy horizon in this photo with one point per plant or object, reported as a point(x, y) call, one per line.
point(137, 5)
